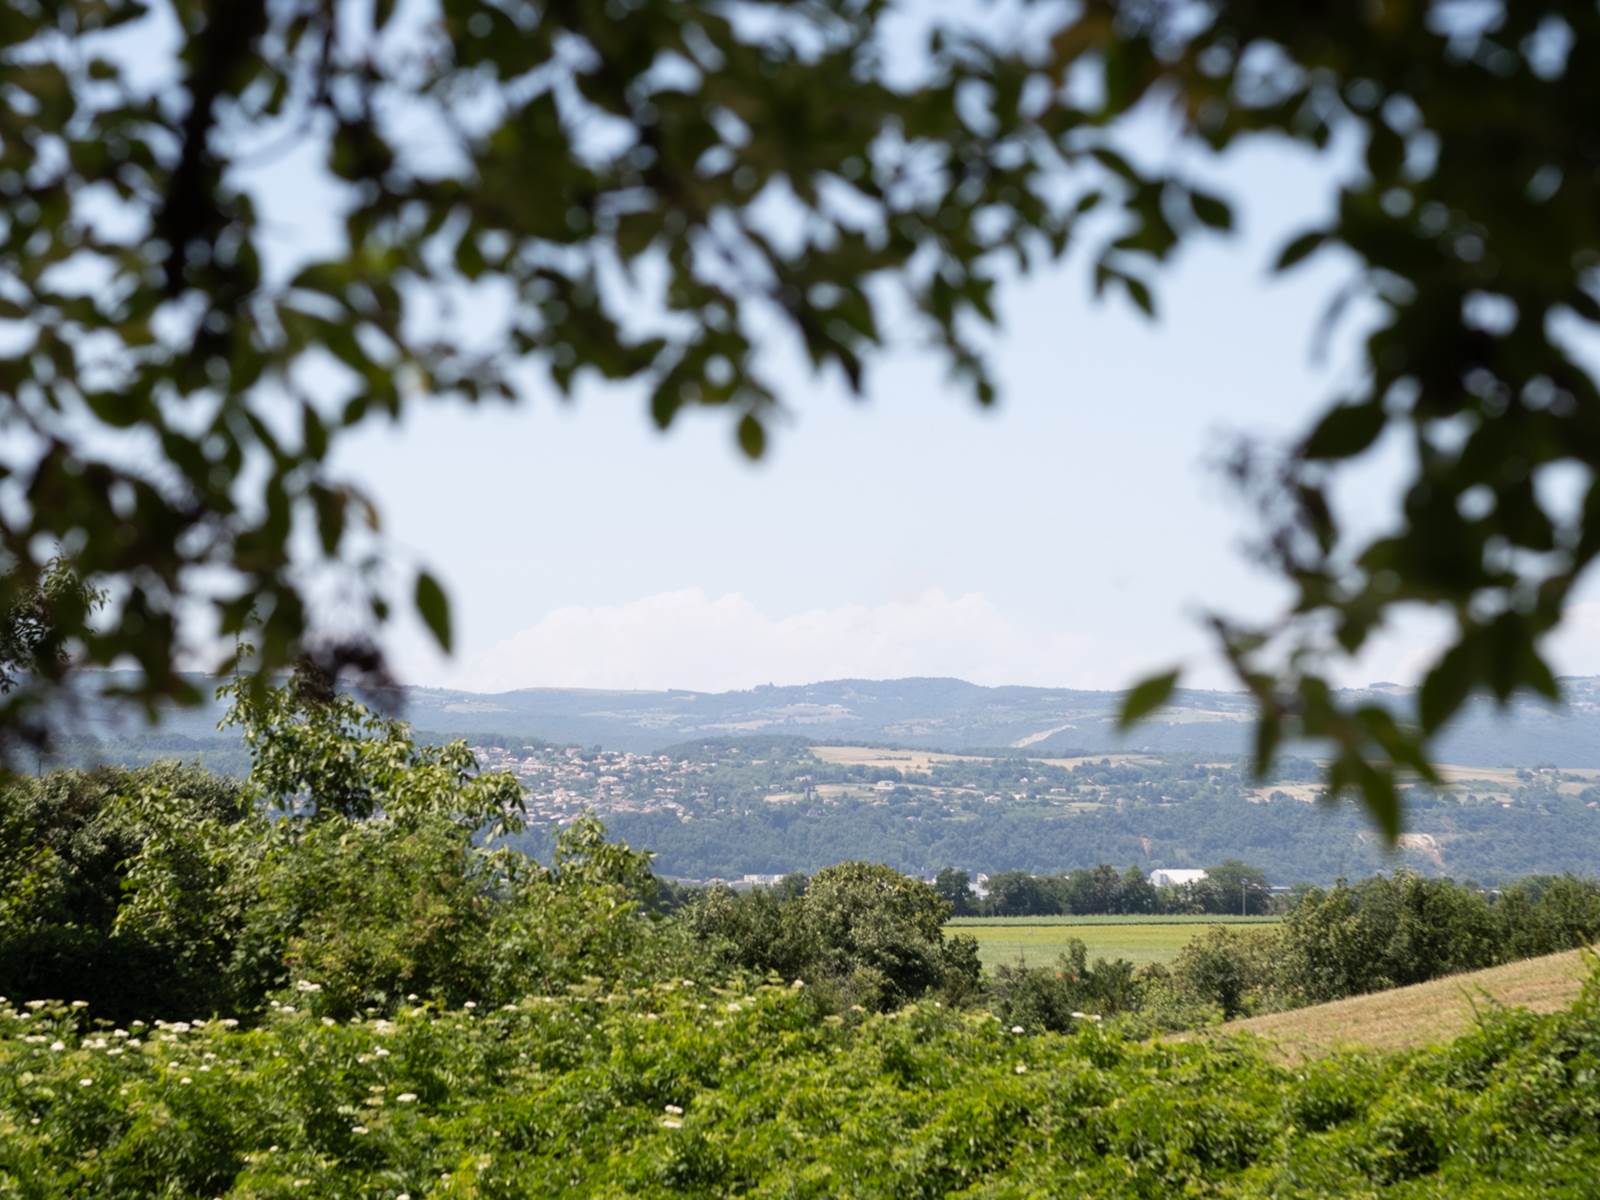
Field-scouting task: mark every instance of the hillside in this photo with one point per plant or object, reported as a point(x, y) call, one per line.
point(1425, 1014)
point(943, 714)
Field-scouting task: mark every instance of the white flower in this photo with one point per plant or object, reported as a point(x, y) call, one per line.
point(185, 1079)
point(1021, 1069)
point(411, 996)
point(85, 1082)
point(58, 1045)
point(305, 985)
point(470, 1004)
point(229, 1023)
point(358, 1129)
point(381, 1052)
point(329, 1021)
point(672, 1122)
point(37, 1004)
point(1016, 1029)
point(80, 1004)
point(674, 1110)
point(407, 1097)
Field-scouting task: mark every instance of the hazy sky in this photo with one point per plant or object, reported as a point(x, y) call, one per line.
point(1069, 537)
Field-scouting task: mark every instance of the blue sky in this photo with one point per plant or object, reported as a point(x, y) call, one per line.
point(1070, 537)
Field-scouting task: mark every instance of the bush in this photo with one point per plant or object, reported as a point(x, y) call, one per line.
point(64, 894)
point(1060, 997)
point(677, 1088)
point(859, 933)
point(1233, 969)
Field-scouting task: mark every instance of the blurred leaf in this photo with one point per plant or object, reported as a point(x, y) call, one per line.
point(1345, 431)
point(434, 608)
point(1146, 696)
point(1300, 248)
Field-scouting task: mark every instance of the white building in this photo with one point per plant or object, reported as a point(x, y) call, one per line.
point(1172, 877)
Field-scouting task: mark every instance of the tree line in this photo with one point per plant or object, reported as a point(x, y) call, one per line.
point(1231, 887)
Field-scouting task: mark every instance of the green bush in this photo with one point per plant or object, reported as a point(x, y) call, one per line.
point(680, 1088)
point(858, 933)
point(1066, 995)
point(1234, 969)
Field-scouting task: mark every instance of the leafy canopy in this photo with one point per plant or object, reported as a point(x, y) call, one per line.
point(656, 191)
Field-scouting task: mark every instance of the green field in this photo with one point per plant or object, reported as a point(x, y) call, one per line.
point(1037, 940)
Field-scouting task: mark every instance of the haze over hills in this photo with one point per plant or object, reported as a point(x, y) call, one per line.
point(936, 713)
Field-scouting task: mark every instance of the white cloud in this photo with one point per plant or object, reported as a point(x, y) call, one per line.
point(688, 639)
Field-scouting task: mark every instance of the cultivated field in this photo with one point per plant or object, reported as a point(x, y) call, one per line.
point(1421, 1015)
point(921, 760)
point(1038, 940)
point(898, 760)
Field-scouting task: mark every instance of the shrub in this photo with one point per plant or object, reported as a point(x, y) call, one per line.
point(1233, 969)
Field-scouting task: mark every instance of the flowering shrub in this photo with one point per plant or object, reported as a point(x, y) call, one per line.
point(682, 1088)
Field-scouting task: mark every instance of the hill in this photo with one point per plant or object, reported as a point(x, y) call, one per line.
point(934, 714)
point(1424, 1014)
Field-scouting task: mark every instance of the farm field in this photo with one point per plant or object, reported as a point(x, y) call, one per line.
point(921, 761)
point(1038, 940)
point(1421, 1015)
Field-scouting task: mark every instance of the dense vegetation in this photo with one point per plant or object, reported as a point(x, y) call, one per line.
point(691, 1089)
point(1547, 832)
point(335, 979)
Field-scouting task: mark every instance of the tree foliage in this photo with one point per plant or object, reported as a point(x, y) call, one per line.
point(1469, 224)
point(656, 192)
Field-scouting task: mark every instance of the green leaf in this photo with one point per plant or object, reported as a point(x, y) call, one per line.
point(1139, 293)
point(1269, 731)
point(1211, 211)
point(1300, 248)
point(752, 436)
point(1146, 696)
point(1345, 431)
point(1446, 686)
point(434, 608)
point(1381, 799)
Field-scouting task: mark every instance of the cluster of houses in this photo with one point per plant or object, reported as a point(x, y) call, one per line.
point(563, 782)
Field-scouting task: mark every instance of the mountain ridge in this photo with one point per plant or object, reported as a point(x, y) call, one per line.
point(929, 712)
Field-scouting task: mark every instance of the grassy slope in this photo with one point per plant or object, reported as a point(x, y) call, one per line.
point(1424, 1014)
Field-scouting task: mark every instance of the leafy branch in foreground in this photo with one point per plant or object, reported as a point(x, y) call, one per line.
point(527, 190)
point(1471, 220)
point(522, 194)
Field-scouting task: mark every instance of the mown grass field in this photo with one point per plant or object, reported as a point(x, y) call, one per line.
point(1424, 1014)
point(1038, 940)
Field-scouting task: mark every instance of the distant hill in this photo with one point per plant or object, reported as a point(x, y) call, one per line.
point(933, 713)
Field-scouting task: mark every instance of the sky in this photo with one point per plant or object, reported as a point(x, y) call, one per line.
point(1072, 536)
